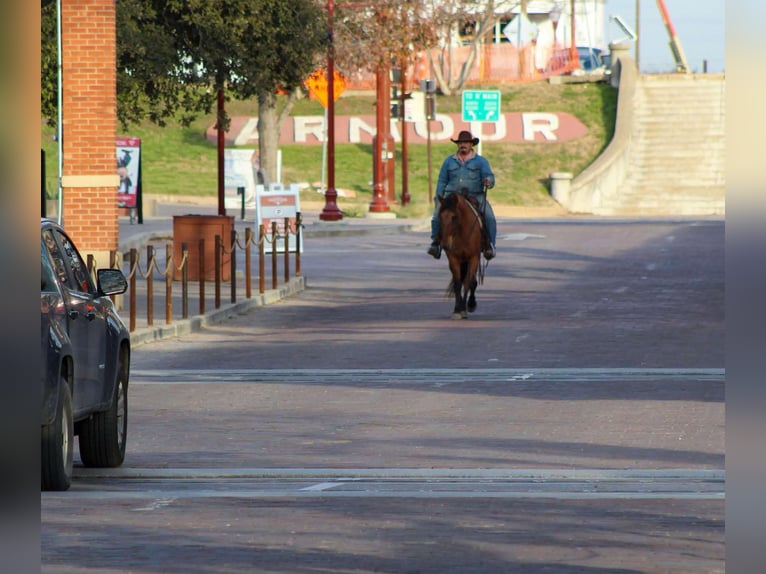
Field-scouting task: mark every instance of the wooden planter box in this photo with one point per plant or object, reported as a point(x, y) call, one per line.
point(189, 229)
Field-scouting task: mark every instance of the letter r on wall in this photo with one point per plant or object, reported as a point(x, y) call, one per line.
point(543, 123)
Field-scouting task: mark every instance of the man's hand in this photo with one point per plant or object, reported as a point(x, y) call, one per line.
point(488, 182)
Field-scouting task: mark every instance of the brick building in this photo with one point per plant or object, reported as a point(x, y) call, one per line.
point(89, 126)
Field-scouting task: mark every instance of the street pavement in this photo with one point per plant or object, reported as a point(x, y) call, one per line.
point(573, 424)
point(157, 229)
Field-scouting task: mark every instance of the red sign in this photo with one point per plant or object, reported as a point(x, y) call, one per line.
point(515, 127)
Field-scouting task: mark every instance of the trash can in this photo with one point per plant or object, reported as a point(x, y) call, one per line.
point(189, 229)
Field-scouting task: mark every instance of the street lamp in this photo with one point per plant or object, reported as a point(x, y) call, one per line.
point(330, 211)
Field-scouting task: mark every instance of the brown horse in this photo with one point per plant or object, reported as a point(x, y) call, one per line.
point(461, 240)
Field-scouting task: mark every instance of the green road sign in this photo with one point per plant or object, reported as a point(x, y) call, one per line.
point(481, 105)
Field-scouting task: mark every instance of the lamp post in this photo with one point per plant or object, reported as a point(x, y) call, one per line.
point(379, 151)
point(330, 211)
point(403, 122)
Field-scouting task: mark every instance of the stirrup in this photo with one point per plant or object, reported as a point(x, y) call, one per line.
point(489, 252)
point(435, 250)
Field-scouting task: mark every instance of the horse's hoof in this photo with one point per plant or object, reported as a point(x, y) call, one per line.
point(463, 315)
point(471, 308)
point(457, 316)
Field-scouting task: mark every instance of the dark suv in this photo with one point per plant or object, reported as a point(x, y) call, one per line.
point(85, 361)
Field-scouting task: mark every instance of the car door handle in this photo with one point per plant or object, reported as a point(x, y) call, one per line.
point(73, 314)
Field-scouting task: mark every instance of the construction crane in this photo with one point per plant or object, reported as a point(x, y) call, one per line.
point(675, 43)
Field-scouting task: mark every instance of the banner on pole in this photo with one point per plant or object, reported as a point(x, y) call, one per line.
point(128, 162)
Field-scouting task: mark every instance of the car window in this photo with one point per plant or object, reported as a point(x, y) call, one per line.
point(58, 258)
point(48, 275)
point(79, 269)
point(67, 256)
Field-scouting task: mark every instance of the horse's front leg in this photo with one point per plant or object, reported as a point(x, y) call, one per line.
point(461, 293)
point(470, 282)
point(458, 312)
point(457, 289)
point(471, 305)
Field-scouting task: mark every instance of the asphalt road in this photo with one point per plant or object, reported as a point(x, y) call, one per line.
point(573, 423)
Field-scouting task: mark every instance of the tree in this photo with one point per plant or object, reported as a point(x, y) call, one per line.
point(48, 61)
point(370, 34)
point(247, 48)
point(154, 78)
point(174, 57)
point(149, 84)
point(450, 16)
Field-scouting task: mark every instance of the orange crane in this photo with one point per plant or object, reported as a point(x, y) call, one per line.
point(675, 43)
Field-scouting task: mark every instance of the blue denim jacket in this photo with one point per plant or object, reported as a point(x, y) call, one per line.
point(455, 176)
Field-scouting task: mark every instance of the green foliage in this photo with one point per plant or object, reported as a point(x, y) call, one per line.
point(174, 55)
point(48, 62)
point(179, 160)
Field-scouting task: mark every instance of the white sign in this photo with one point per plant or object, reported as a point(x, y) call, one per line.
point(239, 169)
point(415, 107)
point(274, 203)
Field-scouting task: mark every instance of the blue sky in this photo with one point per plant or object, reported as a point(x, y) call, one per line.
point(700, 26)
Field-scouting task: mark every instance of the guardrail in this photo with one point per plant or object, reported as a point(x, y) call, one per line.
point(158, 273)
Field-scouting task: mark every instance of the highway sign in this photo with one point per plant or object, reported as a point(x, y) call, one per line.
point(481, 105)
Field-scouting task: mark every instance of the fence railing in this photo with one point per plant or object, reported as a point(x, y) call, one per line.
point(155, 278)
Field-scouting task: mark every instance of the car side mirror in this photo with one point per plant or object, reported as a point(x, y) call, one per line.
point(111, 281)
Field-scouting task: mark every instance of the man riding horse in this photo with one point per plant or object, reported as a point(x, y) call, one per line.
point(466, 172)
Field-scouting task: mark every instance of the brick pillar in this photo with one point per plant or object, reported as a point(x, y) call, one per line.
point(89, 178)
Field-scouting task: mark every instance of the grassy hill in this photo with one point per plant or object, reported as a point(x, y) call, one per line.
point(180, 161)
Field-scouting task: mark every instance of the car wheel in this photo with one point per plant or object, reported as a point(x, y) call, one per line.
point(58, 444)
point(103, 436)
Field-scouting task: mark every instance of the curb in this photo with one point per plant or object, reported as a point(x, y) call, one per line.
point(198, 322)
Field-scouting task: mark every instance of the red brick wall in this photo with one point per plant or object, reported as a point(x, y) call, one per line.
point(90, 123)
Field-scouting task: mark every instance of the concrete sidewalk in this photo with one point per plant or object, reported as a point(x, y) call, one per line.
point(159, 228)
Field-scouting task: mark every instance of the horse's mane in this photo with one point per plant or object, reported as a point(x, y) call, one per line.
point(450, 202)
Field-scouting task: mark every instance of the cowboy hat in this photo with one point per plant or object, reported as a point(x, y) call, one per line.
point(466, 136)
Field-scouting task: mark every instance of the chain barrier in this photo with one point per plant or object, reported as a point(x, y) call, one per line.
point(142, 295)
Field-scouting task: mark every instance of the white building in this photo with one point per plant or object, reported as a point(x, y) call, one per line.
point(548, 20)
